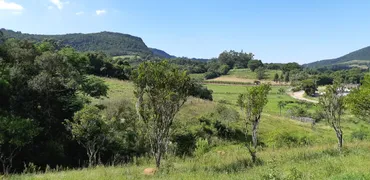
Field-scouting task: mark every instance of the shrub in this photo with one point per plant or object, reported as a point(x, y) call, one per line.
point(298, 111)
point(296, 89)
point(211, 75)
point(202, 147)
point(289, 139)
point(361, 134)
point(200, 91)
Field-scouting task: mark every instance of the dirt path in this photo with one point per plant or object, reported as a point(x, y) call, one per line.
point(299, 95)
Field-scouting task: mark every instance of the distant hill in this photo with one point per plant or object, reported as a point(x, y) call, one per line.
point(161, 53)
point(359, 58)
point(114, 44)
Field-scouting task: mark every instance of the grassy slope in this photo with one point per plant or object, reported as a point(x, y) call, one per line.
point(243, 74)
point(319, 161)
point(248, 74)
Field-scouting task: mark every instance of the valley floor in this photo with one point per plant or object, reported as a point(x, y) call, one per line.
point(293, 150)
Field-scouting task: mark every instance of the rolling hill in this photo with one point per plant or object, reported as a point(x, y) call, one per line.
point(161, 53)
point(114, 44)
point(359, 58)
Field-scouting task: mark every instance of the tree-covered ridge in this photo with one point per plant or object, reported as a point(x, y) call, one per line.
point(111, 43)
point(359, 57)
point(161, 53)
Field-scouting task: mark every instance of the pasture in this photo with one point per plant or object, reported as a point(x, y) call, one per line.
point(291, 149)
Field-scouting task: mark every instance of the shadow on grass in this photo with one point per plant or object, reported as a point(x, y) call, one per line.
point(236, 166)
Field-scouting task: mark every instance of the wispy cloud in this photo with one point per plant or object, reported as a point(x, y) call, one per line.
point(10, 6)
point(59, 4)
point(80, 13)
point(101, 12)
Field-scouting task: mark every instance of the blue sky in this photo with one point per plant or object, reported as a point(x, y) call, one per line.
point(274, 30)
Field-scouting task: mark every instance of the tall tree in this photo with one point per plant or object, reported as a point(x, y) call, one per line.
point(161, 90)
point(90, 130)
point(281, 105)
point(309, 87)
point(287, 77)
point(15, 133)
point(281, 77)
point(253, 102)
point(276, 78)
point(359, 100)
point(332, 103)
point(254, 64)
point(260, 73)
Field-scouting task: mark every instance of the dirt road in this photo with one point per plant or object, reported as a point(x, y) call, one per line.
point(300, 96)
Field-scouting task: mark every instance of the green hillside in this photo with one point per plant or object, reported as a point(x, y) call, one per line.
point(161, 53)
point(356, 58)
point(114, 44)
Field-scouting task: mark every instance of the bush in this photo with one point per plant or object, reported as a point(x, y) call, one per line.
point(298, 111)
point(185, 143)
point(289, 139)
point(296, 89)
point(361, 134)
point(202, 147)
point(211, 75)
point(200, 91)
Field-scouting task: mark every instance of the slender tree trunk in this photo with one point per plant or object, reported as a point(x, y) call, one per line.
point(253, 150)
point(340, 139)
point(254, 133)
point(158, 157)
point(280, 111)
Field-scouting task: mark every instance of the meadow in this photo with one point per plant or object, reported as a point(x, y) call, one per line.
point(291, 150)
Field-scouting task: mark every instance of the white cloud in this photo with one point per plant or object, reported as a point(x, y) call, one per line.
point(80, 13)
point(100, 12)
point(10, 6)
point(59, 4)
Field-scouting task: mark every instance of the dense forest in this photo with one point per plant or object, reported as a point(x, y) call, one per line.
point(113, 44)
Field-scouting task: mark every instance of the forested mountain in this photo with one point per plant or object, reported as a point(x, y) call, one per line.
point(356, 58)
point(161, 53)
point(114, 44)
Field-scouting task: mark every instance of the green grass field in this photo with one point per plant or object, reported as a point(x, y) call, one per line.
point(317, 159)
point(248, 74)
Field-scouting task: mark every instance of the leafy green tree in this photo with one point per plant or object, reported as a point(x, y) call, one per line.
point(324, 80)
point(359, 100)
point(276, 78)
point(15, 133)
point(281, 91)
point(254, 64)
point(286, 77)
point(77, 60)
point(90, 130)
point(253, 102)
point(260, 73)
point(281, 105)
point(161, 90)
point(223, 69)
point(332, 103)
point(309, 87)
point(125, 139)
point(291, 66)
point(282, 77)
point(235, 59)
point(200, 91)
point(94, 87)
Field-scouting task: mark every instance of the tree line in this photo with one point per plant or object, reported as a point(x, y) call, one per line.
point(47, 116)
